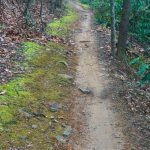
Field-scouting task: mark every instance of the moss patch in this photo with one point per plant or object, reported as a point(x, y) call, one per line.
point(5, 114)
point(30, 49)
point(61, 26)
point(25, 102)
point(30, 92)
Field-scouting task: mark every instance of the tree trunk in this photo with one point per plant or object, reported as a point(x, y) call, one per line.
point(41, 11)
point(1, 12)
point(26, 12)
point(51, 6)
point(123, 32)
point(113, 30)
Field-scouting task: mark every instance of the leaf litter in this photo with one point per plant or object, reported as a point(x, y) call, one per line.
point(132, 99)
point(12, 66)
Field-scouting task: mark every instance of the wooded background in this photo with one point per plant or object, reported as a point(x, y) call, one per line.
point(23, 13)
point(139, 15)
point(129, 23)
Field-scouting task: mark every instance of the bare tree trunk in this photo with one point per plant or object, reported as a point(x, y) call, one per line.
point(113, 30)
point(60, 4)
point(1, 12)
point(26, 12)
point(2, 7)
point(51, 6)
point(123, 32)
point(41, 11)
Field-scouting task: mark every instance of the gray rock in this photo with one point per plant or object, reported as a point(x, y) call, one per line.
point(23, 138)
point(54, 107)
point(34, 126)
point(65, 76)
point(60, 139)
point(24, 113)
point(67, 131)
point(85, 90)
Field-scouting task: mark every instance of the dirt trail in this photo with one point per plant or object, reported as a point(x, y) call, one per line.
point(101, 119)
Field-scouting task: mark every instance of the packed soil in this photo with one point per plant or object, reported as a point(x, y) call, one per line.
point(101, 128)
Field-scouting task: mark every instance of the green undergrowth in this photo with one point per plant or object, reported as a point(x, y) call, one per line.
point(60, 27)
point(85, 6)
point(24, 100)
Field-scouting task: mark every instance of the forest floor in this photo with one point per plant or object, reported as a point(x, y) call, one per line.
point(56, 89)
point(108, 119)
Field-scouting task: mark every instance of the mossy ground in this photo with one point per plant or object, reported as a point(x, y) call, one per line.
point(61, 27)
point(31, 92)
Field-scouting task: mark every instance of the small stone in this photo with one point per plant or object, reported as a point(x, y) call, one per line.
point(47, 49)
point(60, 138)
point(85, 90)
point(101, 47)
point(60, 117)
point(24, 138)
point(54, 108)
point(24, 113)
point(34, 126)
point(67, 131)
point(60, 106)
point(65, 76)
point(55, 121)
point(50, 123)
point(63, 125)
point(2, 92)
point(52, 117)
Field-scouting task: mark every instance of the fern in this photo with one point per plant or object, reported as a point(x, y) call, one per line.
point(142, 69)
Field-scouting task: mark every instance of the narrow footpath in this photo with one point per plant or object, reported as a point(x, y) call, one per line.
point(101, 119)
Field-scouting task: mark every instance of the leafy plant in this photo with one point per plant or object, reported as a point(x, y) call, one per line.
point(143, 69)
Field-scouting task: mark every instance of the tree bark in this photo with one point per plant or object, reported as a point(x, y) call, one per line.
point(41, 11)
point(113, 30)
point(52, 6)
point(1, 12)
point(26, 12)
point(123, 31)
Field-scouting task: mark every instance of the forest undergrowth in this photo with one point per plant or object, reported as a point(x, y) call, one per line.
point(131, 99)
